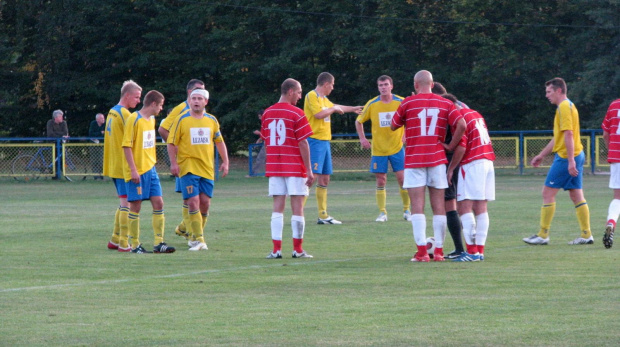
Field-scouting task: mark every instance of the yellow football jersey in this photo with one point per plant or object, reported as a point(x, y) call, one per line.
point(140, 137)
point(113, 156)
point(313, 104)
point(174, 114)
point(384, 140)
point(566, 118)
point(195, 140)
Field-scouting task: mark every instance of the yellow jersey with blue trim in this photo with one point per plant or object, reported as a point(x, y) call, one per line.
point(195, 139)
point(113, 155)
point(313, 104)
point(177, 111)
point(384, 141)
point(566, 118)
point(140, 137)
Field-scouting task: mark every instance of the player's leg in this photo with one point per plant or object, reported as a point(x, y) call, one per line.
point(614, 206)
point(452, 216)
point(468, 219)
point(437, 182)
point(277, 189)
point(482, 225)
point(575, 190)
point(381, 196)
point(398, 166)
point(181, 228)
point(120, 232)
point(206, 192)
point(297, 189)
point(555, 178)
point(414, 182)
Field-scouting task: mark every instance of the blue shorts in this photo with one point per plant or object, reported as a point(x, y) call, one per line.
point(379, 164)
point(177, 185)
point(193, 185)
point(558, 176)
point(149, 186)
point(320, 156)
point(121, 188)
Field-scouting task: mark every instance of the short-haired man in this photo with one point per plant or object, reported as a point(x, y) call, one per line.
point(387, 145)
point(318, 109)
point(191, 143)
point(476, 182)
point(141, 177)
point(164, 131)
point(57, 126)
point(566, 172)
point(114, 158)
point(611, 135)
point(426, 117)
point(284, 130)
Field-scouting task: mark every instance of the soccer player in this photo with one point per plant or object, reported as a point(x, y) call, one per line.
point(452, 216)
point(285, 130)
point(192, 139)
point(611, 135)
point(476, 182)
point(425, 117)
point(318, 109)
point(387, 145)
point(164, 131)
point(141, 176)
point(566, 172)
point(114, 158)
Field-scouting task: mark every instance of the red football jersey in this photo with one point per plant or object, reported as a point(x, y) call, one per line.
point(425, 118)
point(610, 125)
point(478, 140)
point(283, 126)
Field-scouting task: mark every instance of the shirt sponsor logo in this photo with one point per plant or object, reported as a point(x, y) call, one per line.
point(148, 139)
point(200, 136)
point(385, 119)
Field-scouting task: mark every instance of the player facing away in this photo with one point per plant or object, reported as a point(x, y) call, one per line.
point(318, 110)
point(611, 135)
point(114, 158)
point(566, 171)
point(285, 129)
point(164, 131)
point(476, 182)
point(425, 117)
point(141, 176)
point(193, 137)
point(452, 216)
point(387, 145)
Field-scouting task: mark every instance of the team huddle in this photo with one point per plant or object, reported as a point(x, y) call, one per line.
point(431, 139)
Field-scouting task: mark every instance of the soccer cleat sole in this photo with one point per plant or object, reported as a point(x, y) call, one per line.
point(608, 238)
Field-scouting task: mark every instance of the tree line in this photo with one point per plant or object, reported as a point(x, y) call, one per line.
point(495, 56)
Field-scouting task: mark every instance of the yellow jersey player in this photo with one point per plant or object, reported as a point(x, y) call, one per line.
point(318, 110)
point(114, 158)
point(387, 145)
point(164, 131)
point(141, 177)
point(192, 140)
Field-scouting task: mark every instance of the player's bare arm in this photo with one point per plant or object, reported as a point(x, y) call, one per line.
point(570, 153)
point(163, 132)
point(172, 154)
point(221, 149)
point(537, 160)
point(135, 176)
point(359, 127)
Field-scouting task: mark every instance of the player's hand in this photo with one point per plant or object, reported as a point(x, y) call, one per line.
point(450, 173)
point(365, 143)
point(309, 179)
point(135, 177)
point(224, 169)
point(536, 161)
point(358, 109)
point(338, 109)
point(174, 169)
point(572, 168)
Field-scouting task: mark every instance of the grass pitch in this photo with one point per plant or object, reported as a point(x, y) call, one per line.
point(61, 286)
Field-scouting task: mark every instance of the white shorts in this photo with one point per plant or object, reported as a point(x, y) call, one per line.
point(288, 186)
point(426, 176)
point(476, 181)
point(614, 177)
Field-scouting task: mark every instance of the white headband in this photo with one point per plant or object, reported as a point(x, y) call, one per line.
point(203, 92)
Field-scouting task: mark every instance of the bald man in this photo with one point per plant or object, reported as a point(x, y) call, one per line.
point(426, 118)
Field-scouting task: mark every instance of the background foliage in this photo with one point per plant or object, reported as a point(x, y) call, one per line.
point(495, 56)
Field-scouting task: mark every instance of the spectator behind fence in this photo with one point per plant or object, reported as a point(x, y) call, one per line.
point(57, 126)
point(96, 129)
point(258, 166)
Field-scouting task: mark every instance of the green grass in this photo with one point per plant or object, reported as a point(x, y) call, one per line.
point(61, 286)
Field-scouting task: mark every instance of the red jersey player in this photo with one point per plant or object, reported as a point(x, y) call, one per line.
point(285, 130)
point(611, 135)
point(476, 182)
point(426, 117)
